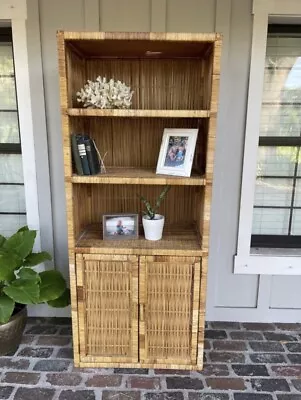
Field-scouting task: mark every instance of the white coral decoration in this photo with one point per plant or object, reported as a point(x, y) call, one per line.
point(103, 94)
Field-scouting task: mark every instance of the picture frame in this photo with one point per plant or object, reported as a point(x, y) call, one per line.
point(177, 152)
point(120, 226)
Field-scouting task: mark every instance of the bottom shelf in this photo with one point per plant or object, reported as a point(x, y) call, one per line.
point(176, 241)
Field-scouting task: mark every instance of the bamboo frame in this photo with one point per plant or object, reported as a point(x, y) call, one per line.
point(202, 312)
point(160, 36)
point(81, 112)
point(138, 176)
point(82, 54)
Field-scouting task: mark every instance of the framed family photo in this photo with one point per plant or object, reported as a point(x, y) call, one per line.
point(120, 226)
point(177, 151)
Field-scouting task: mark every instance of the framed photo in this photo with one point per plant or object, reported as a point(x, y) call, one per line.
point(120, 226)
point(177, 151)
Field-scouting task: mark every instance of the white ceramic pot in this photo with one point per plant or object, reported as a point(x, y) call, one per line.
point(153, 228)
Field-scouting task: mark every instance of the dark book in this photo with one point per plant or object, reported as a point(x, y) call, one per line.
point(92, 155)
point(83, 154)
point(75, 156)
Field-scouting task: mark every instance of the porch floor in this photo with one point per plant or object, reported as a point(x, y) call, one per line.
point(243, 362)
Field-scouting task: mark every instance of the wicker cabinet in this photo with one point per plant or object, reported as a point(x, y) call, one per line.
point(110, 297)
point(107, 295)
point(138, 303)
point(169, 290)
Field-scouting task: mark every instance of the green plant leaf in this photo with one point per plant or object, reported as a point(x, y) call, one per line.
point(52, 285)
point(11, 277)
point(148, 206)
point(2, 240)
point(29, 274)
point(8, 263)
point(161, 197)
point(7, 306)
point(21, 243)
point(36, 258)
point(23, 229)
point(24, 291)
point(62, 301)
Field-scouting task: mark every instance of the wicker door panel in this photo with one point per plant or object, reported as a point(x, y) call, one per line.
point(169, 302)
point(108, 307)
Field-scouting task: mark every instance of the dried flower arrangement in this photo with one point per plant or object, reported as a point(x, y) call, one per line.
point(105, 94)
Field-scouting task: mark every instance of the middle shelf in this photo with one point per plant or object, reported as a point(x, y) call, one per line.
point(182, 240)
point(138, 176)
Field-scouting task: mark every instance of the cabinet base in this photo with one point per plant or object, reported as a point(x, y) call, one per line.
point(139, 365)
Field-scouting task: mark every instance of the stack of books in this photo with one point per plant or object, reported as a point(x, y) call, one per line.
point(85, 155)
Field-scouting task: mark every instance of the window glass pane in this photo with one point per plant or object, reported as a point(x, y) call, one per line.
point(297, 199)
point(12, 198)
point(9, 224)
point(273, 192)
point(282, 88)
point(6, 59)
point(299, 165)
point(280, 120)
point(7, 93)
point(9, 127)
point(276, 161)
point(282, 85)
point(12, 195)
point(282, 52)
point(279, 166)
point(296, 222)
point(267, 221)
point(11, 168)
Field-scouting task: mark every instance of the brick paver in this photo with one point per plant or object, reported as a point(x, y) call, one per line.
point(247, 361)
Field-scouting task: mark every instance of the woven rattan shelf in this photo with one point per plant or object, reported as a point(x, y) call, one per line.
point(182, 241)
point(139, 303)
point(139, 176)
point(81, 112)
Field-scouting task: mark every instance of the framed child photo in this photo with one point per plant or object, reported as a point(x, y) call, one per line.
point(120, 226)
point(177, 151)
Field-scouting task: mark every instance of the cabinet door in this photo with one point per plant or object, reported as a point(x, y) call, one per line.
point(107, 292)
point(169, 307)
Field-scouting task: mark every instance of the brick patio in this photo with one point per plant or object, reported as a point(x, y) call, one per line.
point(243, 362)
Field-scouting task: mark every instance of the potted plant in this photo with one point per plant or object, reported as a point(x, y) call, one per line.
point(20, 285)
point(152, 222)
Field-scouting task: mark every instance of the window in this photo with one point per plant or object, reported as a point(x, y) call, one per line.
point(12, 197)
point(277, 202)
point(269, 231)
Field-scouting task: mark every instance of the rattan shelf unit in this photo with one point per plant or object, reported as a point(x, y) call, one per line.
point(140, 303)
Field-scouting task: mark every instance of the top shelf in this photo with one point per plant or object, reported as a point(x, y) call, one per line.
point(139, 45)
point(92, 112)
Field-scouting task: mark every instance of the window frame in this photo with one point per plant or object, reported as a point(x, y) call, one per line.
point(10, 148)
point(275, 241)
point(13, 13)
point(248, 260)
